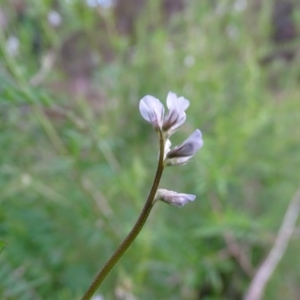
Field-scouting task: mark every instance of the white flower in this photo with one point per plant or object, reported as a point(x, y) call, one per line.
point(173, 198)
point(153, 111)
point(181, 154)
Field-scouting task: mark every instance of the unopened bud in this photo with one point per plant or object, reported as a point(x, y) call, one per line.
point(173, 198)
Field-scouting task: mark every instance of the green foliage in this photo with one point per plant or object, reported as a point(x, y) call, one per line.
point(77, 159)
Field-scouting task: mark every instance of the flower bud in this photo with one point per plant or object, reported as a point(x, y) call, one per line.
point(173, 198)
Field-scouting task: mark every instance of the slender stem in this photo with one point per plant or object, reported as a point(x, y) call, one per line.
point(135, 230)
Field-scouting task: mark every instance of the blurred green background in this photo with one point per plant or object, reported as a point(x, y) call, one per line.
point(77, 159)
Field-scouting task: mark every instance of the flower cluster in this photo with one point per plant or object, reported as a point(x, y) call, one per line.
point(153, 111)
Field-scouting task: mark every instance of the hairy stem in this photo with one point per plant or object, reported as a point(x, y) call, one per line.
point(135, 230)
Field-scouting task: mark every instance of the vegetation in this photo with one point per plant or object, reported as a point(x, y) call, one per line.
point(77, 159)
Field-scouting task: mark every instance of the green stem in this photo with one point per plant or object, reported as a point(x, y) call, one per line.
point(135, 230)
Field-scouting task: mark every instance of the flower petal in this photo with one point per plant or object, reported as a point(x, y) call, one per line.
point(167, 147)
point(176, 115)
point(173, 101)
point(189, 147)
point(152, 111)
point(177, 161)
point(174, 119)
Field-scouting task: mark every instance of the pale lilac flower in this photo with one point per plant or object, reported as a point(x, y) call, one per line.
point(176, 115)
point(54, 18)
point(173, 198)
point(153, 111)
point(181, 154)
